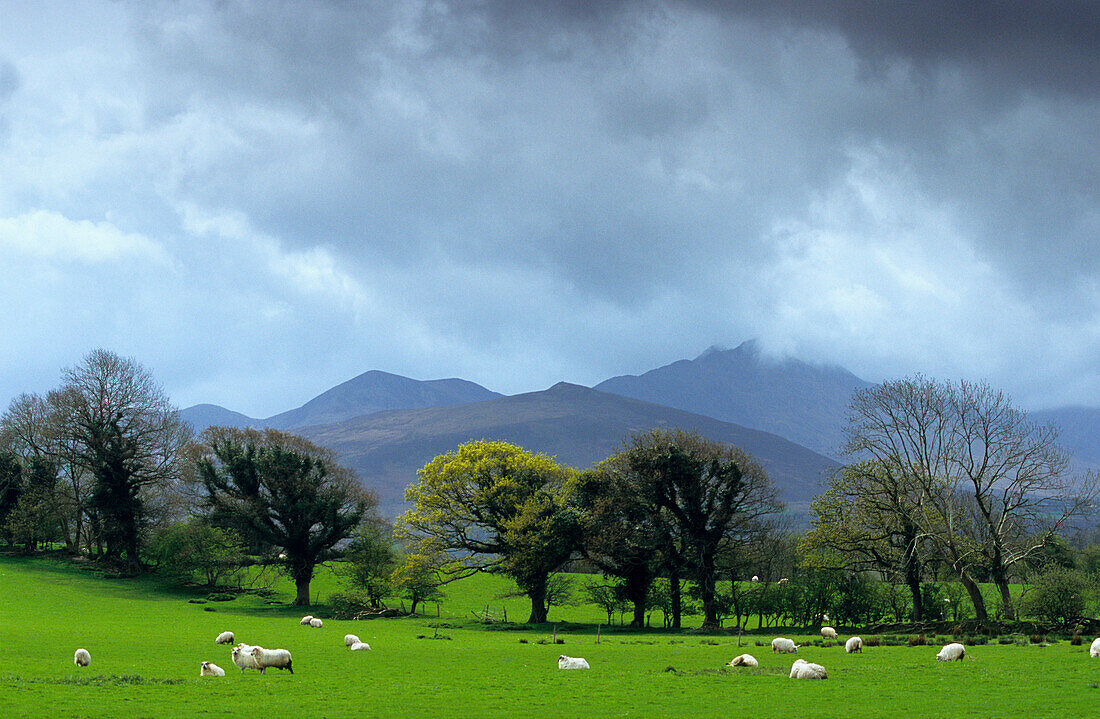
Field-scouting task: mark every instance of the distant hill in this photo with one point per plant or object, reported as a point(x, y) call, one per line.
point(578, 425)
point(372, 391)
point(1080, 431)
point(805, 403)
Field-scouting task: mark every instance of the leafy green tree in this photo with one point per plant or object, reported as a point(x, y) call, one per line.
point(623, 531)
point(186, 549)
point(287, 490)
point(419, 577)
point(714, 495)
point(1059, 594)
point(496, 508)
point(11, 487)
point(370, 560)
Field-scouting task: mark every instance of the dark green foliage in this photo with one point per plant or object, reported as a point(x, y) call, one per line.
point(289, 492)
point(1059, 594)
point(186, 550)
point(369, 561)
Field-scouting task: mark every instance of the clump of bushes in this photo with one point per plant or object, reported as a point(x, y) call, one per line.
point(918, 640)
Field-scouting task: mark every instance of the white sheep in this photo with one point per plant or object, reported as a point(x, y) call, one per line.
point(744, 660)
point(306, 620)
point(854, 644)
point(784, 645)
point(210, 669)
point(952, 652)
point(802, 669)
point(828, 633)
point(82, 658)
point(350, 639)
point(224, 638)
point(278, 658)
point(565, 662)
point(360, 647)
point(242, 657)
point(755, 578)
point(1094, 650)
point(316, 623)
point(784, 580)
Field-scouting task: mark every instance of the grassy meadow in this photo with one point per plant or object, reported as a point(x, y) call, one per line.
point(147, 638)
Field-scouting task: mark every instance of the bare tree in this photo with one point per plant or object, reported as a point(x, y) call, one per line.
point(984, 481)
point(124, 431)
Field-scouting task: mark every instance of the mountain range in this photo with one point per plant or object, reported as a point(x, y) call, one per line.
point(787, 413)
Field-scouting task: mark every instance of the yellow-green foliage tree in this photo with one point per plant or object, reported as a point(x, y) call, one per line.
point(495, 507)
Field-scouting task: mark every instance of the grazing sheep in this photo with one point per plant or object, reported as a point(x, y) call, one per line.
point(802, 669)
point(210, 669)
point(854, 644)
point(278, 658)
point(82, 658)
point(755, 578)
point(828, 633)
point(242, 657)
point(565, 662)
point(744, 660)
point(360, 647)
point(316, 623)
point(224, 638)
point(350, 639)
point(1094, 650)
point(784, 646)
point(306, 620)
point(952, 652)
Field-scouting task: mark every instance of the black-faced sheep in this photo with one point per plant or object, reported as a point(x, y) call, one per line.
point(210, 669)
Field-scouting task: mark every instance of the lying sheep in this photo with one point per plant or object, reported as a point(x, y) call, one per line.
point(952, 652)
point(565, 662)
point(82, 658)
point(242, 657)
point(316, 623)
point(854, 644)
point(360, 647)
point(744, 660)
point(828, 633)
point(210, 669)
point(350, 639)
point(1094, 650)
point(784, 646)
point(224, 638)
point(306, 620)
point(802, 669)
point(266, 658)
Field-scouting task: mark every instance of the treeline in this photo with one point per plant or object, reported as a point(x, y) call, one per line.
point(949, 487)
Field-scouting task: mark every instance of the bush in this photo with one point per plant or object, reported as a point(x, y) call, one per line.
point(348, 605)
point(918, 640)
point(1057, 595)
point(186, 549)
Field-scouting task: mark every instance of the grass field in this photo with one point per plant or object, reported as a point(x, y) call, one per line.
point(146, 640)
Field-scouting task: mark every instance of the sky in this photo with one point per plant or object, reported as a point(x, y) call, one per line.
point(259, 200)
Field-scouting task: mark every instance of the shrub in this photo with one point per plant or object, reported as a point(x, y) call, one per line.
point(1057, 595)
point(918, 640)
point(347, 605)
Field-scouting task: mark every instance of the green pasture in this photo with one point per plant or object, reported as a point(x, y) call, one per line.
point(147, 639)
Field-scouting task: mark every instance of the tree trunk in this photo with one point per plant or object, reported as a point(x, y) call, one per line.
point(976, 598)
point(537, 593)
point(707, 590)
point(1008, 611)
point(674, 597)
point(912, 580)
point(301, 583)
